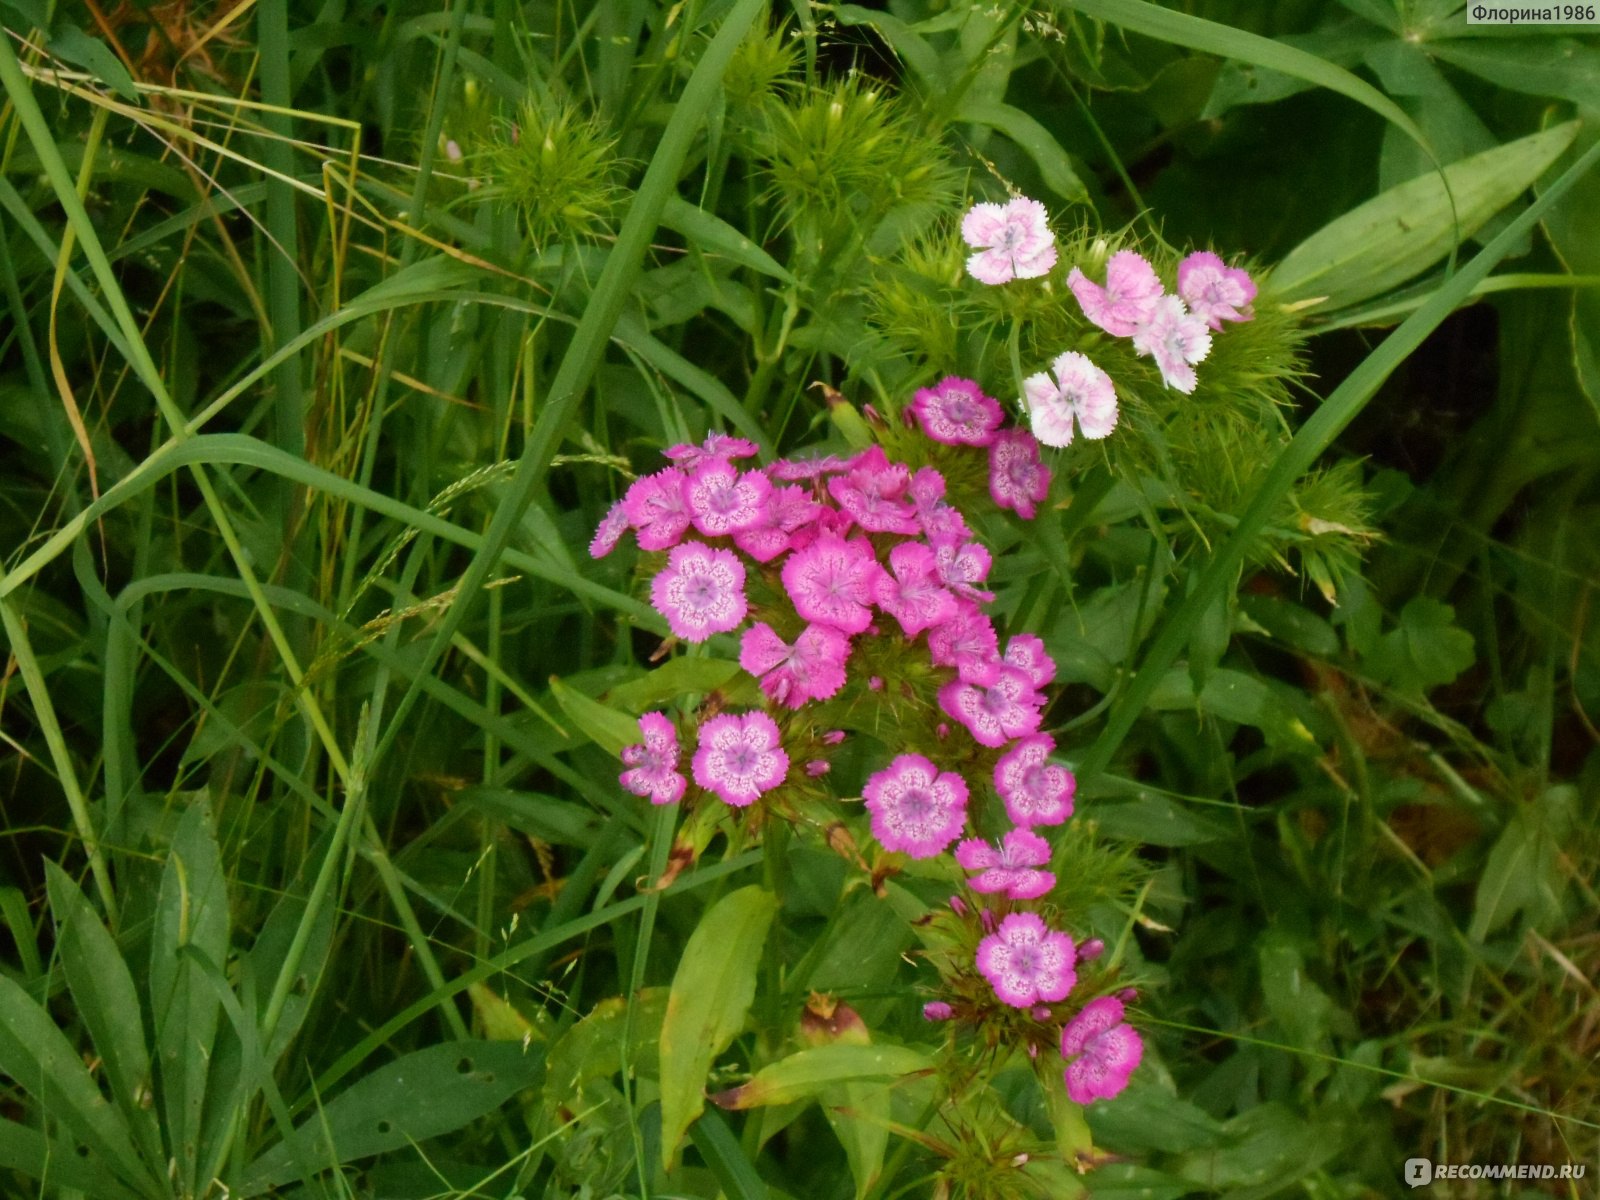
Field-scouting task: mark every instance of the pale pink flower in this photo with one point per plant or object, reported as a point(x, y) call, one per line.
point(1103, 1049)
point(1027, 653)
point(1214, 291)
point(723, 500)
point(873, 492)
point(1035, 790)
point(1010, 867)
point(1006, 707)
point(1176, 339)
point(1017, 479)
point(1013, 241)
point(653, 764)
point(786, 510)
point(956, 412)
point(700, 591)
point(1026, 961)
point(962, 567)
point(794, 469)
point(1131, 291)
point(718, 447)
point(609, 532)
point(916, 807)
point(739, 757)
point(656, 510)
point(811, 669)
point(912, 594)
point(1081, 391)
point(830, 582)
point(966, 642)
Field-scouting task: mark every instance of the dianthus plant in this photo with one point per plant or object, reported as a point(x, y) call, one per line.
point(853, 591)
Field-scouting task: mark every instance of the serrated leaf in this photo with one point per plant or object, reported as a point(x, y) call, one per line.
point(710, 998)
point(1407, 229)
point(443, 1088)
point(605, 726)
point(1426, 651)
point(806, 1073)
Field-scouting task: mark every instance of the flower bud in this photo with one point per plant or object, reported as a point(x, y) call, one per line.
point(937, 1010)
point(1093, 948)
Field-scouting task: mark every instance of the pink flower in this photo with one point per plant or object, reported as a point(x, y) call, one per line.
point(1214, 291)
point(872, 493)
point(1027, 653)
point(1006, 707)
point(966, 642)
point(811, 669)
point(1080, 390)
point(609, 532)
point(1017, 479)
point(718, 447)
point(700, 591)
point(1013, 241)
point(1132, 288)
point(1012, 867)
point(1104, 1051)
point(912, 595)
point(739, 757)
point(963, 567)
point(1026, 961)
point(940, 522)
point(956, 412)
point(792, 469)
point(786, 510)
point(915, 807)
point(831, 580)
point(1035, 790)
point(656, 510)
point(723, 500)
point(653, 766)
point(1176, 339)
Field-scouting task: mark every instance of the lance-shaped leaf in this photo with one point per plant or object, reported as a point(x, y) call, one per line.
point(806, 1073)
point(710, 997)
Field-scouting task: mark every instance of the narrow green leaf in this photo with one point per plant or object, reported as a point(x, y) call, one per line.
point(29, 1152)
point(192, 908)
point(14, 907)
point(104, 995)
point(1523, 873)
point(728, 1162)
point(673, 678)
point(1055, 167)
point(710, 234)
point(416, 1097)
point(1401, 233)
point(73, 45)
point(605, 726)
point(710, 997)
point(807, 1072)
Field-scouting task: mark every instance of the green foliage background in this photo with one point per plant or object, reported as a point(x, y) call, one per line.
point(330, 330)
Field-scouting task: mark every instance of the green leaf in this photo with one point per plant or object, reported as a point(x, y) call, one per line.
point(32, 1154)
point(1523, 873)
point(1055, 167)
point(1426, 651)
point(191, 908)
point(1397, 235)
point(73, 45)
point(38, 1057)
point(805, 1073)
point(104, 995)
point(606, 727)
point(674, 678)
point(1241, 698)
point(710, 234)
point(1576, 240)
point(416, 1097)
point(710, 997)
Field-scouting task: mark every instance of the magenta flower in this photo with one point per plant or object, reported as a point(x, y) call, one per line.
point(794, 469)
point(966, 642)
point(1131, 291)
point(718, 447)
point(963, 567)
point(1006, 707)
point(1214, 291)
point(956, 412)
point(1013, 241)
point(873, 493)
point(1035, 790)
point(811, 669)
point(937, 1010)
point(915, 807)
point(1027, 653)
point(723, 500)
point(1176, 339)
point(1080, 391)
point(739, 757)
point(1017, 479)
point(831, 580)
point(700, 591)
point(786, 510)
point(1010, 867)
point(1026, 961)
point(656, 510)
point(1103, 1049)
point(653, 765)
point(609, 532)
point(912, 594)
